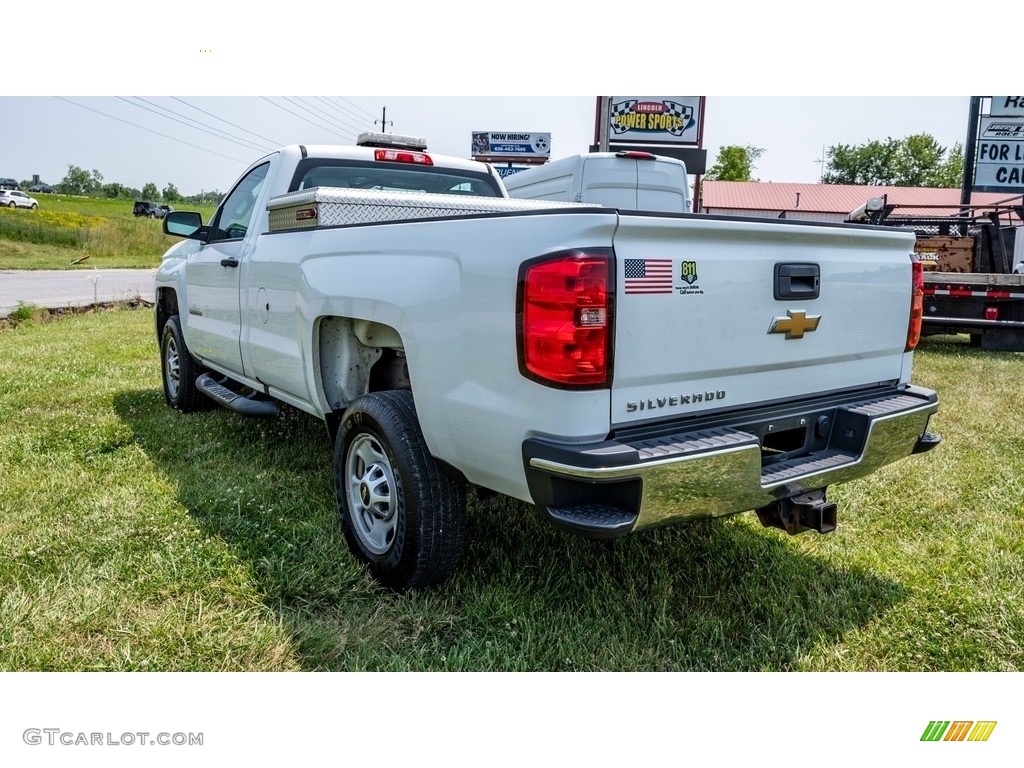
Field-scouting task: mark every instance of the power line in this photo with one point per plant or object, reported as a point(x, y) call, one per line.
point(301, 117)
point(334, 127)
point(193, 106)
point(150, 130)
point(236, 139)
point(356, 106)
point(316, 112)
point(346, 113)
point(343, 120)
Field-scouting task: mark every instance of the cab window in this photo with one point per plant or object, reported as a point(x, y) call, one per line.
point(235, 214)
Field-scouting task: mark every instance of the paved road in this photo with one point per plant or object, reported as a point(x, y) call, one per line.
point(62, 289)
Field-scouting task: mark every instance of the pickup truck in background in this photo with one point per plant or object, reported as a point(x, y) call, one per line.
point(973, 259)
point(619, 370)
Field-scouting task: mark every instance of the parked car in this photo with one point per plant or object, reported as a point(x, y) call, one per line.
point(6, 183)
point(12, 198)
point(152, 210)
point(45, 189)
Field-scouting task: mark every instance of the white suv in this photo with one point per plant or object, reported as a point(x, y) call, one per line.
point(12, 198)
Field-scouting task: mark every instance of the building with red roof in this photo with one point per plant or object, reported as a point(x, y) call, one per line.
point(830, 202)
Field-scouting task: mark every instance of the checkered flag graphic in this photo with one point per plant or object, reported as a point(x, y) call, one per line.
point(681, 111)
point(621, 108)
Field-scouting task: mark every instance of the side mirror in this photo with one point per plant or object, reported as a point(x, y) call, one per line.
point(184, 224)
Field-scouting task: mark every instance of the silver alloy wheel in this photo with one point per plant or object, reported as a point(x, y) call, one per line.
point(370, 484)
point(172, 367)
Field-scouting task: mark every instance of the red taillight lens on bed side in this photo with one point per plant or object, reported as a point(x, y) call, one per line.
point(916, 307)
point(564, 319)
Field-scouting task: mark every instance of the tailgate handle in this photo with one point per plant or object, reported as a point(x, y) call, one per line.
point(797, 281)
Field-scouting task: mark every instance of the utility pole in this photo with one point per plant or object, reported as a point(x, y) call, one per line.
point(821, 162)
point(383, 120)
point(970, 152)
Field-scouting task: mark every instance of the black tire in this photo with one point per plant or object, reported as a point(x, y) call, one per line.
point(402, 512)
point(180, 370)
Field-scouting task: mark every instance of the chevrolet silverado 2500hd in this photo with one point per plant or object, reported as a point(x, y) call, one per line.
point(618, 369)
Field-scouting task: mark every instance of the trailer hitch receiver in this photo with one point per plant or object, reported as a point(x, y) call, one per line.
point(807, 512)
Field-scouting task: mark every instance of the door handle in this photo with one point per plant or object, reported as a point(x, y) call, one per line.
point(229, 263)
point(797, 281)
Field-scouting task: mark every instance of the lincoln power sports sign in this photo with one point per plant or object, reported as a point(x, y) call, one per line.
point(654, 119)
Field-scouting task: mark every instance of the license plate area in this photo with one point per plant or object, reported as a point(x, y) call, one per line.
point(787, 438)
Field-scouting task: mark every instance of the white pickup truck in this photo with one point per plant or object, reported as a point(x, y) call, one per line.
point(618, 369)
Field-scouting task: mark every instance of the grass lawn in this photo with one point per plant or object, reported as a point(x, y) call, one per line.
point(137, 538)
point(82, 233)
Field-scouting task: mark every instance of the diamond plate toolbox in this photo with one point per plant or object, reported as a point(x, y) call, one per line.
point(335, 207)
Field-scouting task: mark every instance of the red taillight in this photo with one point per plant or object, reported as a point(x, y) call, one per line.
point(991, 313)
point(565, 319)
point(402, 156)
point(916, 307)
point(634, 155)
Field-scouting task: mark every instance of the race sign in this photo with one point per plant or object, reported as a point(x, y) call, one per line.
point(1007, 106)
point(1000, 155)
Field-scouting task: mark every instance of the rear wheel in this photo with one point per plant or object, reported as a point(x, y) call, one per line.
point(402, 512)
point(180, 370)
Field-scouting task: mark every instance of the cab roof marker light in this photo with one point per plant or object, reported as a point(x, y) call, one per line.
point(391, 141)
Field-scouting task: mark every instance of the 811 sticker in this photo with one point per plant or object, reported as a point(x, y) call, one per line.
point(688, 276)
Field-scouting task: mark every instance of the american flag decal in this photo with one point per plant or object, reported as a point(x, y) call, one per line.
point(648, 275)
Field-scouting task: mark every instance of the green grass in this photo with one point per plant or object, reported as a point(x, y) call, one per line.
point(79, 232)
point(137, 538)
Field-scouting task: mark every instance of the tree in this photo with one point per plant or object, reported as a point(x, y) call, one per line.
point(914, 161)
point(171, 194)
point(150, 192)
point(79, 181)
point(734, 163)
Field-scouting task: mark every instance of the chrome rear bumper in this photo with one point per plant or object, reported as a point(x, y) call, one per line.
point(640, 481)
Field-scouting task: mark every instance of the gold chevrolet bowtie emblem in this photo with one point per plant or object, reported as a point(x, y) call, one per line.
point(795, 325)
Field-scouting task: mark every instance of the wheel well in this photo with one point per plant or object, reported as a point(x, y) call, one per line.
point(356, 357)
point(166, 306)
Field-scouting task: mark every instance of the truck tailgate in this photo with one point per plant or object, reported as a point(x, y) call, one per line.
point(720, 313)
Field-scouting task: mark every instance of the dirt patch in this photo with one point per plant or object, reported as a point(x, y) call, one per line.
point(29, 313)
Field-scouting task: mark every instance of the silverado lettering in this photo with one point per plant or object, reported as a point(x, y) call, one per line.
point(674, 400)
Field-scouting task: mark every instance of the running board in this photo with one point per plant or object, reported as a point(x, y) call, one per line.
point(219, 393)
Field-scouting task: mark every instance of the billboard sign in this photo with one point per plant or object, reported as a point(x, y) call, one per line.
point(999, 166)
point(504, 171)
point(1007, 106)
point(496, 146)
point(655, 120)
